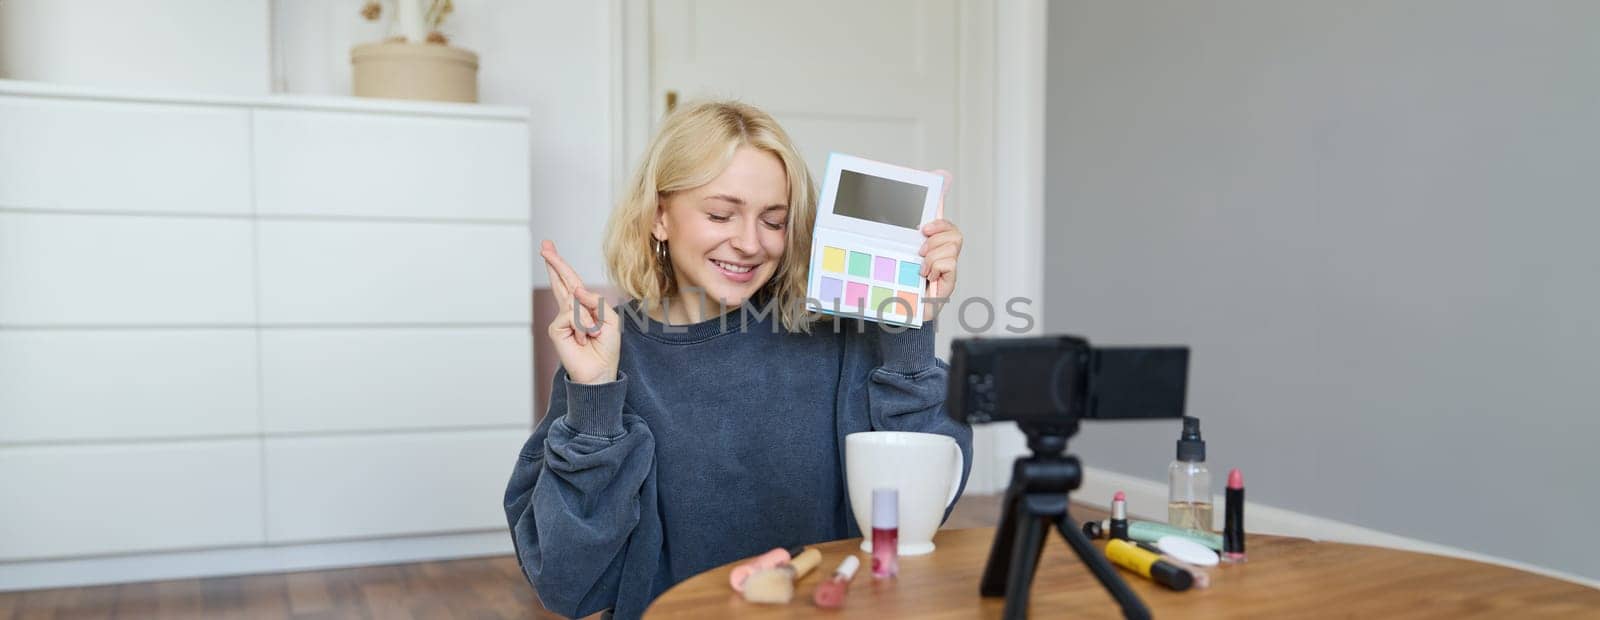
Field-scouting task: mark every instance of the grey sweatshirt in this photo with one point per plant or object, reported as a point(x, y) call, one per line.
point(714, 443)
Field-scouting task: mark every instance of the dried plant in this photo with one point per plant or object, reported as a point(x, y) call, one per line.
point(437, 11)
point(434, 13)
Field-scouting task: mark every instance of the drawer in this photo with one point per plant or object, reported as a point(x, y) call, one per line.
point(63, 385)
point(64, 501)
point(393, 272)
point(340, 487)
point(120, 156)
point(380, 379)
point(58, 269)
point(369, 165)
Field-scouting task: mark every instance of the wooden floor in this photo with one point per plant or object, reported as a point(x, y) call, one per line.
point(478, 588)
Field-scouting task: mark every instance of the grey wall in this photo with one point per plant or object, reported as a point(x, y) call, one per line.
point(1377, 225)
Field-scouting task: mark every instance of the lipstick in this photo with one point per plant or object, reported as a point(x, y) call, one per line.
point(1233, 519)
point(1119, 516)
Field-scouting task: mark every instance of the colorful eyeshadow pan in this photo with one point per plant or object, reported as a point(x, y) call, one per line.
point(855, 294)
point(831, 289)
point(910, 274)
point(860, 264)
point(833, 261)
point(879, 294)
point(883, 269)
point(910, 299)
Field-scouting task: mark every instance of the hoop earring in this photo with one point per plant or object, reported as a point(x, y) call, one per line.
point(660, 250)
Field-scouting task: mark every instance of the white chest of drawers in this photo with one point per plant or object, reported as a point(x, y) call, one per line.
point(243, 335)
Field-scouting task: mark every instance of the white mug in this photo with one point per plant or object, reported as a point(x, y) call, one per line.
point(924, 467)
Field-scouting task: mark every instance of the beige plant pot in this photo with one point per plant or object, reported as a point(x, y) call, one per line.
point(399, 70)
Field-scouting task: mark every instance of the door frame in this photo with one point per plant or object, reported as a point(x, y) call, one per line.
point(999, 149)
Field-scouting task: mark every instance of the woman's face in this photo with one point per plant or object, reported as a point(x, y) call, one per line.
point(727, 236)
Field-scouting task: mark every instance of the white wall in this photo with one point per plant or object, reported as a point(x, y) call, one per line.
point(1374, 222)
point(190, 45)
point(555, 57)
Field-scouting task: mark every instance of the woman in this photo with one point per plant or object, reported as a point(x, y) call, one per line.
point(704, 421)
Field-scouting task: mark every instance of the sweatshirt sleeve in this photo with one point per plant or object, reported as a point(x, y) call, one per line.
point(574, 503)
point(906, 391)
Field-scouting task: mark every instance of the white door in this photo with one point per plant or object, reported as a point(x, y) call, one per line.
point(877, 79)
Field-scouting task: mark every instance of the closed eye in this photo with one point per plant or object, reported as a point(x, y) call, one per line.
point(777, 217)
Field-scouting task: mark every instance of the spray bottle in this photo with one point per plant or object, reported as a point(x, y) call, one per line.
point(1189, 490)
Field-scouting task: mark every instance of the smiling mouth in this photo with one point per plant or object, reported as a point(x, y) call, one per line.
point(733, 267)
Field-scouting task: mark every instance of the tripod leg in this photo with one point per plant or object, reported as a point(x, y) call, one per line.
point(1132, 607)
point(997, 571)
point(1027, 545)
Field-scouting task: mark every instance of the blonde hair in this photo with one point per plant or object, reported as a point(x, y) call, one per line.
point(694, 146)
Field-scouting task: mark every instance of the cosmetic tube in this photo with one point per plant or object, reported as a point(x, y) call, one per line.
point(885, 533)
point(830, 594)
point(1202, 579)
point(1148, 565)
point(1149, 531)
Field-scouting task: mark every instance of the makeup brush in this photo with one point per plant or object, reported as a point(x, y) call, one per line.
point(776, 585)
point(766, 560)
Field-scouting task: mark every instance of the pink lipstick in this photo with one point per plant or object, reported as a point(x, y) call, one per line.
point(1233, 519)
point(1119, 516)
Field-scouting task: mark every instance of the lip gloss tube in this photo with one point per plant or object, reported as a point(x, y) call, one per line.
point(885, 533)
point(830, 594)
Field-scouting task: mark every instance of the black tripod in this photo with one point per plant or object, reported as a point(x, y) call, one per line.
point(1036, 501)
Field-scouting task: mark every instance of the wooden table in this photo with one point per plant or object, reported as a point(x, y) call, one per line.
point(1284, 577)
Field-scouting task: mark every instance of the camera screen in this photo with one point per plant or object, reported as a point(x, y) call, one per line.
point(1060, 379)
point(1028, 381)
point(881, 200)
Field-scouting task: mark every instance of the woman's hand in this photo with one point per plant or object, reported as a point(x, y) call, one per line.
point(586, 333)
point(940, 250)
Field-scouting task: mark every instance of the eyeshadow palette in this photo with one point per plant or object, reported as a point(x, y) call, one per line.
point(864, 259)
